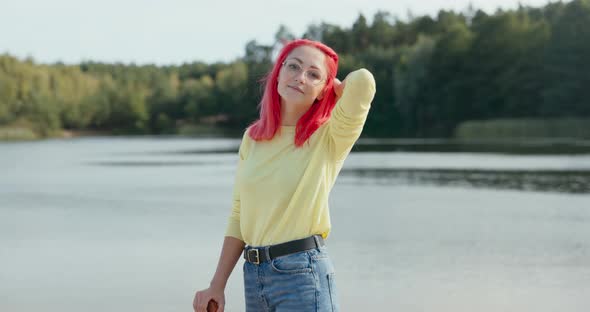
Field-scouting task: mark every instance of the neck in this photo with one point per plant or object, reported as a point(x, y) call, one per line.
point(289, 115)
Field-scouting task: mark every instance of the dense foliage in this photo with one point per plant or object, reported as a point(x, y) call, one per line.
point(432, 73)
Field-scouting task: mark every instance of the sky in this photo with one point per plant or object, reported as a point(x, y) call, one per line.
point(172, 32)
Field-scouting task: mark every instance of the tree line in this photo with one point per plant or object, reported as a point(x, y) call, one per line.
point(433, 73)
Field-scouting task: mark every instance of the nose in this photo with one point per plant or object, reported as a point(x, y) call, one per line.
point(299, 77)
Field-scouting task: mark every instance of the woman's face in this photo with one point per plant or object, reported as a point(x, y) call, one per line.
point(302, 78)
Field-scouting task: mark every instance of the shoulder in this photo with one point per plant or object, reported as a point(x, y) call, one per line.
point(246, 134)
point(245, 144)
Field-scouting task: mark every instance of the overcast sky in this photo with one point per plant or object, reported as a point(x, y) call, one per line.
point(177, 31)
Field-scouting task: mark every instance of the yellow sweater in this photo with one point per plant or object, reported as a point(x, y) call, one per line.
point(281, 191)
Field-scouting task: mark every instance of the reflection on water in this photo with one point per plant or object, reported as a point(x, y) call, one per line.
point(522, 147)
point(524, 179)
point(515, 147)
point(150, 163)
point(530, 180)
point(561, 165)
point(218, 150)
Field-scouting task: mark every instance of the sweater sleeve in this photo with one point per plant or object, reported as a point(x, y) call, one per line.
point(233, 226)
point(350, 113)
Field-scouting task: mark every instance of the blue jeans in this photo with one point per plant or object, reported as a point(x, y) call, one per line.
point(302, 281)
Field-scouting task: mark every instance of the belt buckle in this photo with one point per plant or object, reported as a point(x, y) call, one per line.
point(257, 256)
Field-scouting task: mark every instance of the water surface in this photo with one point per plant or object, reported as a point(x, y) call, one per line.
point(127, 224)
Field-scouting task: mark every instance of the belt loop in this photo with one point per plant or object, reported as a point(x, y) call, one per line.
point(266, 251)
point(317, 241)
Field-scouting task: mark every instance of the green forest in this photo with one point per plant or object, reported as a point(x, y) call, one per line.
point(453, 74)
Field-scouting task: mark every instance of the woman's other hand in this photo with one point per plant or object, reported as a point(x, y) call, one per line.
point(209, 300)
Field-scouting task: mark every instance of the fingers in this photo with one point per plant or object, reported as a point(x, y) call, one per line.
point(338, 88)
point(200, 302)
point(196, 302)
point(209, 300)
point(212, 306)
point(337, 83)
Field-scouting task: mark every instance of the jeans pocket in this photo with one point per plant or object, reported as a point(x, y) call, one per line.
point(319, 254)
point(291, 264)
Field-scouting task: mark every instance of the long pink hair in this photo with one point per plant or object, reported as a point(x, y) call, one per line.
point(269, 122)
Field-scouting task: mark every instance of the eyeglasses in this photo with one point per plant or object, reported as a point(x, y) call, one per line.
point(293, 68)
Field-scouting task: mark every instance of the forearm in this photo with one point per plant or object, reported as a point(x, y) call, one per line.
point(350, 113)
point(230, 254)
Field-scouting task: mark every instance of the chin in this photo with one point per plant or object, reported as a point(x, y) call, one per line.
point(294, 98)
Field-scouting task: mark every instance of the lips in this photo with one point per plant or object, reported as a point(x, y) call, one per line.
point(296, 89)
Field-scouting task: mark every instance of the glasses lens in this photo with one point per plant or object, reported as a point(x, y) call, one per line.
point(293, 67)
point(313, 76)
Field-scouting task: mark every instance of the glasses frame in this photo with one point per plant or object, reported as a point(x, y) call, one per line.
point(292, 74)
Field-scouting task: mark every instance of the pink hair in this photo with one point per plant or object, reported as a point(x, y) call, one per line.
point(269, 122)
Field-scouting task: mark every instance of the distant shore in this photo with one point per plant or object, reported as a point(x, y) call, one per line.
point(21, 133)
point(26, 134)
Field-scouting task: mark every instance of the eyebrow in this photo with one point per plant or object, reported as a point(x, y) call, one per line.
point(300, 61)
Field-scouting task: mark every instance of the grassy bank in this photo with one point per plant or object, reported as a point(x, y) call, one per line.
point(27, 132)
point(17, 134)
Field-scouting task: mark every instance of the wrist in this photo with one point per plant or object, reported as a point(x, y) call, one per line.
point(216, 284)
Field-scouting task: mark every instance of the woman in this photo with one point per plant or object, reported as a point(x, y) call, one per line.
point(289, 160)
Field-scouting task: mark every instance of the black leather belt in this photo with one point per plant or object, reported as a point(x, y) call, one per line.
point(260, 254)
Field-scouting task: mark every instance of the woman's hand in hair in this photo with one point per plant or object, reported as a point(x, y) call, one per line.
point(338, 87)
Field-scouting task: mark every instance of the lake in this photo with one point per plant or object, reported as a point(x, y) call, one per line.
point(136, 224)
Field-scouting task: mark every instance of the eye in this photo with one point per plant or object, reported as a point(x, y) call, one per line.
point(293, 66)
point(315, 75)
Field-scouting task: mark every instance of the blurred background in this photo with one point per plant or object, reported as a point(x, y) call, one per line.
point(468, 190)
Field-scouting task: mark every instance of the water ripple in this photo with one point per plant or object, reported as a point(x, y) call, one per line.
point(562, 181)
